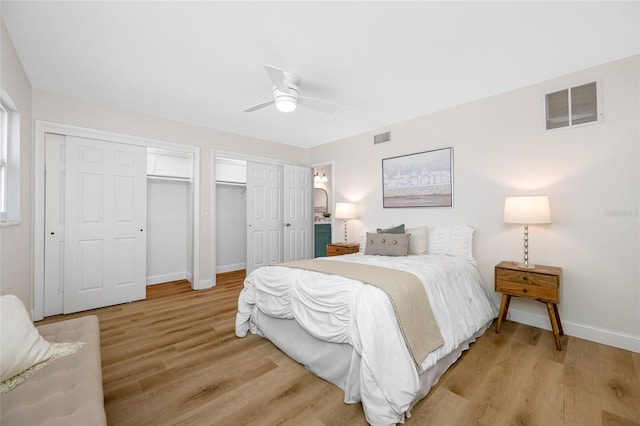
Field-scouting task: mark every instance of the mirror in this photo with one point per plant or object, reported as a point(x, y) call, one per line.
point(320, 200)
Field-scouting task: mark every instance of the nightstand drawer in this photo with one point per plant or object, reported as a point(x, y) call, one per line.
point(337, 250)
point(529, 290)
point(529, 278)
point(340, 249)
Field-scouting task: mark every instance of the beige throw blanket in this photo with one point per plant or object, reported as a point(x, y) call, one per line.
point(406, 292)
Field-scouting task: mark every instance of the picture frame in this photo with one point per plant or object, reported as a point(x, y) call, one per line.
point(423, 179)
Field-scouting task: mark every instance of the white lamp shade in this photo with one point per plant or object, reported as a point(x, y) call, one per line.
point(527, 209)
point(345, 211)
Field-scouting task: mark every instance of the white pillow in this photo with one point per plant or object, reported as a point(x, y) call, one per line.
point(363, 241)
point(417, 240)
point(21, 345)
point(454, 240)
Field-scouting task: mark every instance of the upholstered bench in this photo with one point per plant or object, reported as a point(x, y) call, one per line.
point(68, 391)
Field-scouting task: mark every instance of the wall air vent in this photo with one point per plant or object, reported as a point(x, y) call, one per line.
point(381, 138)
point(573, 106)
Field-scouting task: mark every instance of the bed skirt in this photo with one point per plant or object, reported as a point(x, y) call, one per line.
point(339, 363)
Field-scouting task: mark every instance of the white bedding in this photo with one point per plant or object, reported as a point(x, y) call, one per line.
point(341, 310)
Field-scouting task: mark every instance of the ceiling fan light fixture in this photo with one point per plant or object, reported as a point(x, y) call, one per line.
point(286, 103)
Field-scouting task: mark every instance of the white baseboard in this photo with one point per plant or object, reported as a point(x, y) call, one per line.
point(613, 338)
point(165, 278)
point(228, 268)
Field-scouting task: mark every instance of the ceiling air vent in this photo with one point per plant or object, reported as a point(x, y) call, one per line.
point(381, 138)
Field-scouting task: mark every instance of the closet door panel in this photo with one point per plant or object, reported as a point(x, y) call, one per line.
point(105, 218)
point(54, 224)
point(298, 213)
point(264, 215)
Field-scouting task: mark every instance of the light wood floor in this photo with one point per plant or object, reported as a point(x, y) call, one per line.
point(174, 359)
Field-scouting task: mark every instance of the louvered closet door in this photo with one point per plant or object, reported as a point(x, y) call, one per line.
point(105, 224)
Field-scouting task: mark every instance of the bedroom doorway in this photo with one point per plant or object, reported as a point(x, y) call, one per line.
point(322, 207)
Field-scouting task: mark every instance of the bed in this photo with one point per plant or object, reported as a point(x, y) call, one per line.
point(351, 334)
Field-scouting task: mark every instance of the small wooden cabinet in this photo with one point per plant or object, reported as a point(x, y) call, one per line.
point(338, 249)
point(541, 283)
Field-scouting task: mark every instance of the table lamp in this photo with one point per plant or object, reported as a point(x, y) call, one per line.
point(345, 211)
point(527, 210)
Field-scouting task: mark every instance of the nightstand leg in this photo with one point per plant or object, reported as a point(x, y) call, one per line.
point(555, 310)
point(554, 317)
point(504, 308)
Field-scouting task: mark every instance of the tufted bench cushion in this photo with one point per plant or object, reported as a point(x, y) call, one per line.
point(69, 390)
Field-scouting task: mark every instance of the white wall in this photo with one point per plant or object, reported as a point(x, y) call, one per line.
point(590, 173)
point(167, 230)
point(15, 241)
point(231, 214)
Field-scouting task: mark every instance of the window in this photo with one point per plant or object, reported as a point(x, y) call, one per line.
point(9, 161)
point(573, 106)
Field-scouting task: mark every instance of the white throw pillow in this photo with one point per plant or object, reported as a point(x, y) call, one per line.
point(363, 240)
point(417, 240)
point(21, 345)
point(454, 240)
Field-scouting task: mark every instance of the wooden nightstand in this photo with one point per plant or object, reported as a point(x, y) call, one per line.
point(541, 283)
point(338, 249)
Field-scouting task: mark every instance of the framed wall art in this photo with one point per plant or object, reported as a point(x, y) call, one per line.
point(424, 179)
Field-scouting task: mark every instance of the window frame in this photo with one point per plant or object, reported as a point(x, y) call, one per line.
point(4, 122)
point(9, 161)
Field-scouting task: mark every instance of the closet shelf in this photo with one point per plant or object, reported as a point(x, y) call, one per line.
point(173, 178)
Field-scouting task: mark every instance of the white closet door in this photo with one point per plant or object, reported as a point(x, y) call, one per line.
point(298, 216)
point(54, 225)
point(105, 224)
point(264, 215)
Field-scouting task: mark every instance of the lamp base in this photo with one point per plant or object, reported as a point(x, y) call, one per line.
point(522, 265)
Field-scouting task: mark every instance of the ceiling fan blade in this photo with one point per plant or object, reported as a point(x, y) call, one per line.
point(260, 105)
point(317, 104)
point(277, 78)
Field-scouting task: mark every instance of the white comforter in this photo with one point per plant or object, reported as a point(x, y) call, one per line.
point(342, 310)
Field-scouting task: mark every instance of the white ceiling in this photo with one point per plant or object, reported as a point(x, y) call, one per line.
point(381, 62)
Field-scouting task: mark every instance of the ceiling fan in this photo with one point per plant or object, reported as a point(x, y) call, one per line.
point(286, 94)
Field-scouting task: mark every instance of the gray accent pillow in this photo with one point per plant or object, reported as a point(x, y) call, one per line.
point(387, 244)
point(393, 230)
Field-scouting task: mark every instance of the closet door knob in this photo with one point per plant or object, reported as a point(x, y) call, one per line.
point(287, 225)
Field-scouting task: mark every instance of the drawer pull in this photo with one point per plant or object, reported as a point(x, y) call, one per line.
point(524, 290)
point(525, 278)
